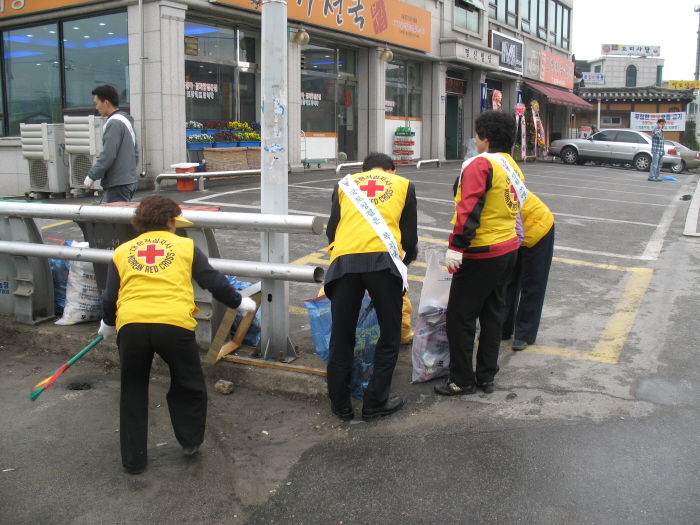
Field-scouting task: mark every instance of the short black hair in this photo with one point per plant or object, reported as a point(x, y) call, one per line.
point(378, 160)
point(107, 93)
point(498, 127)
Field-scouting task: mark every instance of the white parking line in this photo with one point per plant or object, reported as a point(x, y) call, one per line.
point(607, 190)
point(653, 249)
point(599, 199)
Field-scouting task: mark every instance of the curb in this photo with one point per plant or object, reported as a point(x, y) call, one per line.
point(69, 340)
point(691, 219)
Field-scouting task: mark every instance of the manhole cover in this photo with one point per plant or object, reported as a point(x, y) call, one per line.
point(79, 385)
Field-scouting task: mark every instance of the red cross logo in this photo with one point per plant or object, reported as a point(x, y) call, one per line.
point(371, 188)
point(513, 194)
point(150, 253)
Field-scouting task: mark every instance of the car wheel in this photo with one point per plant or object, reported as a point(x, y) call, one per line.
point(569, 156)
point(642, 162)
point(678, 168)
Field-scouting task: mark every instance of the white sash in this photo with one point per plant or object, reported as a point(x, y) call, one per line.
point(515, 179)
point(376, 221)
point(123, 120)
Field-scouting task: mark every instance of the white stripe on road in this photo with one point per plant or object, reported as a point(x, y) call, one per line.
point(653, 249)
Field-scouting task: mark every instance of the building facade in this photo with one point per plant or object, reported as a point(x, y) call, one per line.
point(348, 95)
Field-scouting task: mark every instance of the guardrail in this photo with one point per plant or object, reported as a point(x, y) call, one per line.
point(347, 165)
point(427, 161)
point(200, 176)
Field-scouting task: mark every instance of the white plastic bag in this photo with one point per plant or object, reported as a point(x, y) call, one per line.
point(431, 351)
point(436, 286)
point(471, 149)
point(82, 294)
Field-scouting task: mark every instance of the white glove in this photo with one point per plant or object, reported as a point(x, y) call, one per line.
point(107, 331)
point(88, 184)
point(453, 260)
point(247, 305)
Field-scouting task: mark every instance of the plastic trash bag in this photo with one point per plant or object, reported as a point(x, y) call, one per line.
point(431, 351)
point(366, 337)
point(252, 336)
point(668, 177)
point(471, 149)
point(82, 294)
point(59, 273)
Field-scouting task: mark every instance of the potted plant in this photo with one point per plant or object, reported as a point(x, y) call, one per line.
point(212, 127)
point(239, 126)
point(193, 128)
point(249, 139)
point(225, 139)
point(199, 141)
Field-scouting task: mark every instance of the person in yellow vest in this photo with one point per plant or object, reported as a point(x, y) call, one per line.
point(528, 282)
point(373, 234)
point(148, 303)
point(481, 254)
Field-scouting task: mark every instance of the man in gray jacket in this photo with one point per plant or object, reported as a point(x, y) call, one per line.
point(116, 165)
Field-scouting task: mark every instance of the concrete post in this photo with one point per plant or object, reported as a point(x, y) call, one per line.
point(294, 103)
point(434, 101)
point(274, 178)
point(376, 100)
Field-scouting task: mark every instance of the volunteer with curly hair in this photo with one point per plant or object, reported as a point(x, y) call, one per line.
point(481, 254)
point(149, 303)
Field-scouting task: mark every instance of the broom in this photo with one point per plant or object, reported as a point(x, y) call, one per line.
point(51, 378)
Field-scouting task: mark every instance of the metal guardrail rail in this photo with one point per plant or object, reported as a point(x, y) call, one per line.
point(346, 165)
point(301, 224)
point(428, 161)
point(261, 270)
point(200, 176)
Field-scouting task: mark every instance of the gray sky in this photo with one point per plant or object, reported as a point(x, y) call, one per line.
point(671, 24)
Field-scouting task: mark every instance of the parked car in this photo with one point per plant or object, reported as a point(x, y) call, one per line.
point(689, 158)
point(618, 146)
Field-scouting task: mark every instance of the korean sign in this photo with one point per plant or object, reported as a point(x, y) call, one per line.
point(386, 20)
point(200, 90)
point(684, 84)
point(23, 7)
point(556, 70)
point(511, 52)
point(647, 121)
point(631, 51)
point(594, 79)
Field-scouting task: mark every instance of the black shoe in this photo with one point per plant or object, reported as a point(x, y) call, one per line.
point(505, 337)
point(188, 451)
point(346, 415)
point(388, 408)
point(451, 389)
point(519, 345)
point(135, 470)
point(487, 387)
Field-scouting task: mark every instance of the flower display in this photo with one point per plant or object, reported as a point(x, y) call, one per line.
point(239, 126)
point(193, 124)
point(249, 136)
point(225, 136)
point(199, 138)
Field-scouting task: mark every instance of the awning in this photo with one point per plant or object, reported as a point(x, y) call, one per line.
point(560, 96)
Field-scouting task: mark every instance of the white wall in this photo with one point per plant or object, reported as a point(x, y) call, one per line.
point(14, 176)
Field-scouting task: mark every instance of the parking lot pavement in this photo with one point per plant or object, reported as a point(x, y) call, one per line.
point(578, 428)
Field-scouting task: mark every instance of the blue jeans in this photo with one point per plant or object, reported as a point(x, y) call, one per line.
point(655, 168)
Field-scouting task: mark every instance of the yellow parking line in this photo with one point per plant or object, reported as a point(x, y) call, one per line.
point(55, 224)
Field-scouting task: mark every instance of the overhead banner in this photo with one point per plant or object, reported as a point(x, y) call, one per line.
point(10, 8)
point(647, 121)
point(684, 84)
point(386, 20)
point(511, 52)
point(631, 51)
point(597, 79)
point(556, 70)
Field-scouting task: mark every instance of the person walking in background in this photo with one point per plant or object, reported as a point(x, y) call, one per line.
point(149, 302)
point(657, 151)
point(115, 168)
point(481, 254)
point(373, 235)
point(528, 282)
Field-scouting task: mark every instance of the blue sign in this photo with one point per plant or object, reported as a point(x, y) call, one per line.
point(484, 97)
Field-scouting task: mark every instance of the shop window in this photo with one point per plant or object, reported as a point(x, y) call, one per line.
point(347, 61)
point(318, 104)
point(248, 47)
point(404, 97)
point(247, 94)
point(598, 69)
point(95, 52)
point(32, 75)
point(612, 121)
point(320, 59)
point(505, 11)
point(210, 91)
point(213, 41)
point(631, 76)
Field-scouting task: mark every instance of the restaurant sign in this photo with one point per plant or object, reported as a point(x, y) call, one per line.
point(10, 8)
point(511, 52)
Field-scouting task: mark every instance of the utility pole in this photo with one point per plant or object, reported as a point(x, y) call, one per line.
point(274, 158)
point(697, 53)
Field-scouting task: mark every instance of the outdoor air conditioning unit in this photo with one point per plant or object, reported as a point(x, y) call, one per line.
point(48, 168)
point(83, 146)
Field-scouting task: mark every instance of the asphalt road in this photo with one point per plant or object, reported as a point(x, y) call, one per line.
point(597, 423)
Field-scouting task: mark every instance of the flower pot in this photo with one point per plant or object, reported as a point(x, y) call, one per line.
point(198, 145)
point(225, 144)
point(245, 143)
point(189, 132)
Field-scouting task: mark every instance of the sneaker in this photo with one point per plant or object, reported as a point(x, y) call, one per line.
point(451, 389)
point(188, 451)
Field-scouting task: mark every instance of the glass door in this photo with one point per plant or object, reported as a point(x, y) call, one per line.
point(346, 109)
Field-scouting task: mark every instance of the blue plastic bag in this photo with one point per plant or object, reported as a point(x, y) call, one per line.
point(59, 273)
point(252, 336)
point(366, 337)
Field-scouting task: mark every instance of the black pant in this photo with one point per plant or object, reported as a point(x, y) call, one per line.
point(187, 397)
point(346, 293)
point(121, 193)
point(477, 292)
point(526, 290)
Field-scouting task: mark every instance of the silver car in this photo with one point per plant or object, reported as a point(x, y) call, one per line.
point(690, 159)
point(613, 146)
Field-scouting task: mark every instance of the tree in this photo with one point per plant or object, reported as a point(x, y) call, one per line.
point(689, 138)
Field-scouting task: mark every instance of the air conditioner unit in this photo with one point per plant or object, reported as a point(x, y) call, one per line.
point(42, 146)
point(83, 146)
